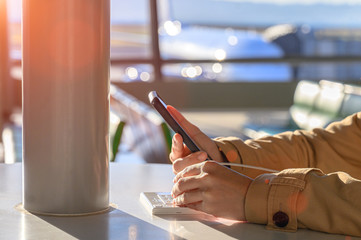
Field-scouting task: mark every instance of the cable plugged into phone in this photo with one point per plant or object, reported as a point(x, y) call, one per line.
point(228, 164)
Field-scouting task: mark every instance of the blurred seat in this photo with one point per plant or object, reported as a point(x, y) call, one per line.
point(144, 131)
point(315, 106)
point(304, 99)
point(327, 105)
point(351, 102)
point(303, 103)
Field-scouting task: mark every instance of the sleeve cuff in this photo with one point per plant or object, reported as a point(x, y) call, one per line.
point(272, 199)
point(256, 199)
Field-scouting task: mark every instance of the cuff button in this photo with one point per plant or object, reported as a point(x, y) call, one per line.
point(280, 219)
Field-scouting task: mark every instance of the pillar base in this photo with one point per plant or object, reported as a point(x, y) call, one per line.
point(20, 208)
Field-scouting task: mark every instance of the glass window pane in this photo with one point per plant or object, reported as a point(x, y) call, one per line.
point(350, 72)
point(130, 35)
point(225, 72)
point(265, 13)
point(221, 30)
point(129, 28)
point(131, 73)
point(14, 28)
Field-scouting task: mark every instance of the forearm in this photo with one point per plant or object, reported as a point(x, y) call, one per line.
point(335, 148)
point(309, 198)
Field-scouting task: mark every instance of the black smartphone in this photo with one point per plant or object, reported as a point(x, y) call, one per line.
point(161, 107)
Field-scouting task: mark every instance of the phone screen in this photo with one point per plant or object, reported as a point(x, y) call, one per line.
point(161, 107)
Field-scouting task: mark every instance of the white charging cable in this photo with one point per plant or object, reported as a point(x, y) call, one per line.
point(247, 166)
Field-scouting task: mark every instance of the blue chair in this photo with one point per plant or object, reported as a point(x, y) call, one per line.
point(305, 95)
point(352, 101)
point(327, 105)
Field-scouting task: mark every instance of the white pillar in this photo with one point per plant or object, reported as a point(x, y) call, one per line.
point(4, 65)
point(66, 52)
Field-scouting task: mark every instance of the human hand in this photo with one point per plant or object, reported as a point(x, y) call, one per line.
point(213, 189)
point(180, 155)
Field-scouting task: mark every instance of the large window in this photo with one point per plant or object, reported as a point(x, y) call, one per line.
point(228, 40)
point(253, 40)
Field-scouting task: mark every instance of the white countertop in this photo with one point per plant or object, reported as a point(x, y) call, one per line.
point(127, 218)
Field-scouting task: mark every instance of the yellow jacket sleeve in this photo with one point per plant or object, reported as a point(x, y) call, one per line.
point(317, 186)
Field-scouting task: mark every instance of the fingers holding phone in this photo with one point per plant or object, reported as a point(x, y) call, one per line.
point(202, 140)
point(193, 138)
point(192, 130)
